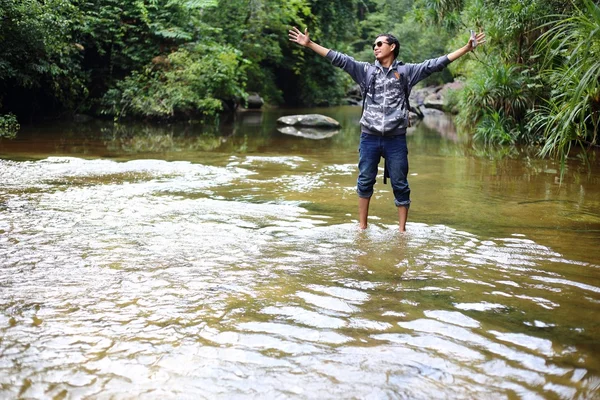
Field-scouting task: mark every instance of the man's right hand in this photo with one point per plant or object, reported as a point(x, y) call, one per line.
point(302, 39)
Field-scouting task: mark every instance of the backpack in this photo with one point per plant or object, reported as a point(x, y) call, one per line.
point(370, 80)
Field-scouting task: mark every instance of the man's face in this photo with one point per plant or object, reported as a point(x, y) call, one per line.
point(382, 48)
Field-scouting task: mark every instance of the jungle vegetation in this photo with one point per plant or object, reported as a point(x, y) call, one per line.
point(535, 82)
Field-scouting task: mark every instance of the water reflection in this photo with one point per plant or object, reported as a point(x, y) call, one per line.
point(309, 133)
point(129, 140)
point(179, 279)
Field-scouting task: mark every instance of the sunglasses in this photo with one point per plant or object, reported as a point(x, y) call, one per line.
point(379, 44)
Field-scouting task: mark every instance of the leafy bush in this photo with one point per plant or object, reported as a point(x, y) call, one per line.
point(572, 112)
point(9, 126)
point(494, 128)
point(498, 95)
point(187, 83)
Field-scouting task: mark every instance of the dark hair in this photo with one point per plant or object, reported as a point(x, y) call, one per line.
point(391, 39)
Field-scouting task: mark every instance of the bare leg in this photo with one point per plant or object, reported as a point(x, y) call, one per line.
point(363, 212)
point(402, 217)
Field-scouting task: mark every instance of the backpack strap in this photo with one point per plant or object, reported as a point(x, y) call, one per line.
point(401, 71)
point(370, 78)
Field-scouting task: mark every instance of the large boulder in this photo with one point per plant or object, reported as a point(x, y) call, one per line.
point(254, 101)
point(354, 96)
point(418, 96)
point(434, 100)
point(310, 120)
point(438, 99)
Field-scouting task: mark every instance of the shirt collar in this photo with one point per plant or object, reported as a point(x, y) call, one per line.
point(393, 66)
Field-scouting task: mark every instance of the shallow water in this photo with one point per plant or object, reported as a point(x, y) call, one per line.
point(176, 262)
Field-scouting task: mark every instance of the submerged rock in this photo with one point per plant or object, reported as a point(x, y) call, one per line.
point(312, 120)
point(308, 133)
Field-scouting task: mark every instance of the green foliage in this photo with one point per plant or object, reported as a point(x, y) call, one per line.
point(40, 59)
point(536, 80)
point(259, 30)
point(445, 13)
point(9, 126)
point(381, 16)
point(572, 112)
point(188, 83)
point(493, 128)
point(511, 25)
point(330, 16)
point(320, 84)
point(121, 37)
point(498, 95)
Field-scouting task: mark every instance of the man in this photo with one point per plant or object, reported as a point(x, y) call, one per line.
point(385, 112)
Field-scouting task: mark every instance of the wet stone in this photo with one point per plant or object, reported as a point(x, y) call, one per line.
point(310, 120)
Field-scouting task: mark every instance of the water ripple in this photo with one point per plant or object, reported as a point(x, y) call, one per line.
point(162, 280)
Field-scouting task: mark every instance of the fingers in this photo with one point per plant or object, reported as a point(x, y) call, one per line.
point(294, 34)
point(306, 35)
point(480, 38)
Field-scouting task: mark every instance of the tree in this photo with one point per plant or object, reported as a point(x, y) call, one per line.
point(39, 66)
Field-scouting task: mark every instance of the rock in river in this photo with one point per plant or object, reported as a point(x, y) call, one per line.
point(312, 120)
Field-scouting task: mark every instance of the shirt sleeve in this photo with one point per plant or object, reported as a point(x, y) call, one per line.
point(356, 69)
point(418, 72)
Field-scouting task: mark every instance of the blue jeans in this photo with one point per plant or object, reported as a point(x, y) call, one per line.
point(395, 152)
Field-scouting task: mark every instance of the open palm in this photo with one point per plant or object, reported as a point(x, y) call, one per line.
point(297, 36)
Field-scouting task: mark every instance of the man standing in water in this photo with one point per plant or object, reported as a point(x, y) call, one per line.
point(386, 85)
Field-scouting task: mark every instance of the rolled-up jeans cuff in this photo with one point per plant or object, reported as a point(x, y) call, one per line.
point(405, 203)
point(364, 195)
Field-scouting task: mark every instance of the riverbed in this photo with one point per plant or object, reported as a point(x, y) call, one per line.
point(185, 261)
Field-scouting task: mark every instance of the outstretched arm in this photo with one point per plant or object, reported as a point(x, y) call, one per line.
point(467, 48)
point(303, 39)
point(418, 72)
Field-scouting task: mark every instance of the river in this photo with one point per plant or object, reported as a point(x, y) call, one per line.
point(181, 261)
